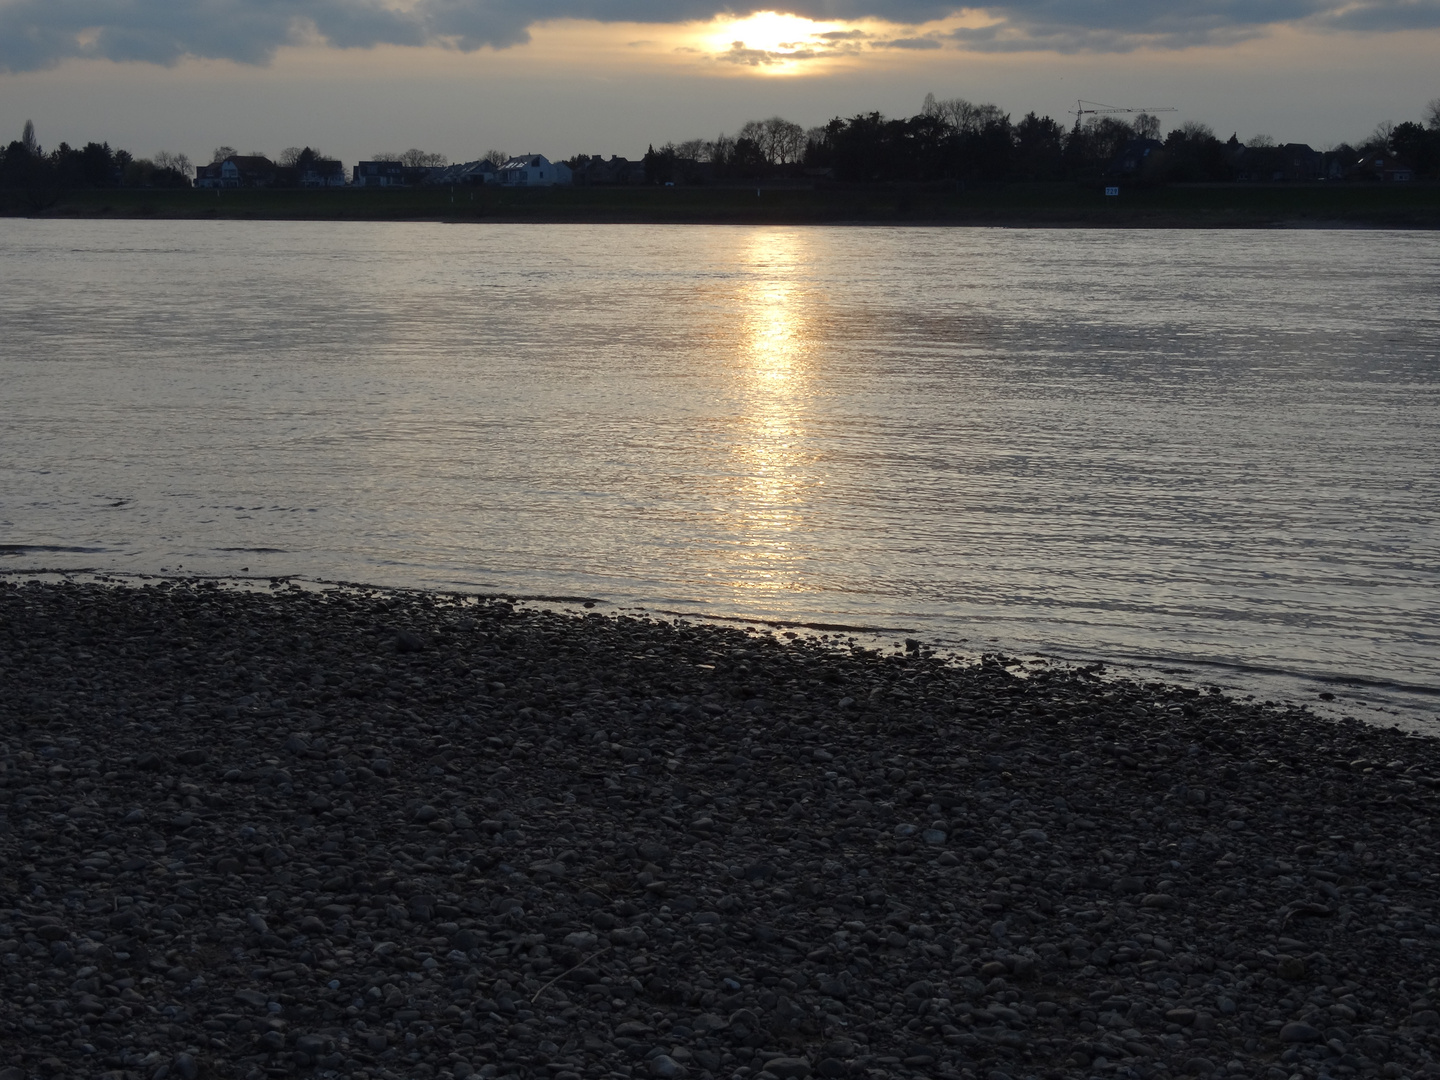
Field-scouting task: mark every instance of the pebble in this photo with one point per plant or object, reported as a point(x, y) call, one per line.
point(547, 845)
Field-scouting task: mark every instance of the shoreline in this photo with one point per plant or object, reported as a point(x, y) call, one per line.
point(1238, 206)
point(371, 833)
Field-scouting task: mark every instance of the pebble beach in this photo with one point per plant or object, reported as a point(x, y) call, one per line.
point(373, 834)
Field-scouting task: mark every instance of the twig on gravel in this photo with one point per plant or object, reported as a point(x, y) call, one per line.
point(567, 971)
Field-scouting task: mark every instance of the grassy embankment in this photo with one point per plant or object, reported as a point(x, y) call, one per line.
point(1046, 205)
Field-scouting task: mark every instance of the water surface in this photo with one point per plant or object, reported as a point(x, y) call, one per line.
point(1210, 452)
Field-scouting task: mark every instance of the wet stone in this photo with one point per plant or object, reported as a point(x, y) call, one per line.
point(560, 844)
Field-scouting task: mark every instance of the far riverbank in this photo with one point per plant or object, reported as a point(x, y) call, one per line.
point(1392, 206)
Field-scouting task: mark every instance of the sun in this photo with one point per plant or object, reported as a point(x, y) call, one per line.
point(768, 32)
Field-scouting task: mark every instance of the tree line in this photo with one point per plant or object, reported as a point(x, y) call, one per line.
point(33, 179)
point(37, 179)
point(957, 140)
point(952, 140)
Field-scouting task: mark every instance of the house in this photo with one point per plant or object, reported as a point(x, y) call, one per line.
point(1292, 162)
point(534, 170)
point(380, 174)
point(596, 171)
point(322, 173)
point(469, 173)
point(1384, 167)
point(239, 171)
point(1130, 159)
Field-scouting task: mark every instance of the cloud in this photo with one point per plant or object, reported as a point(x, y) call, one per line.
point(37, 34)
point(739, 53)
point(907, 43)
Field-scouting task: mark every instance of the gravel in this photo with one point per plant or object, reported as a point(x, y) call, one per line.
point(372, 834)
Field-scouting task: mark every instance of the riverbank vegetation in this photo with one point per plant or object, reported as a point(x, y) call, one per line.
point(1054, 204)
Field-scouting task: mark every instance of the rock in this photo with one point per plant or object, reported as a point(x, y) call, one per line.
point(272, 1041)
point(1298, 1031)
point(788, 1068)
point(666, 1067)
point(407, 641)
point(1198, 1066)
point(616, 839)
point(1291, 968)
point(185, 1067)
point(149, 762)
point(191, 757)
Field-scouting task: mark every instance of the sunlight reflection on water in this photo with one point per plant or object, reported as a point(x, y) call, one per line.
point(1196, 448)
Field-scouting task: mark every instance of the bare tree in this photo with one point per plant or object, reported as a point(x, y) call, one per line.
point(220, 153)
point(1196, 131)
point(693, 149)
point(1381, 135)
point(1432, 114)
point(179, 162)
point(722, 149)
point(495, 157)
point(754, 130)
point(1256, 142)
point(1146, 126)
point(27, 139)
point(964, 116)
point(784, 141)
point(385, 157)
point(296, 156)
point(420, 159)
point(781, 141)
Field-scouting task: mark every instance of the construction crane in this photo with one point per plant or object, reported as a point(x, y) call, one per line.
point(1097, 109)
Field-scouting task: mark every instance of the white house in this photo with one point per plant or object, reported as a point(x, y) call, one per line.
point(534, 170)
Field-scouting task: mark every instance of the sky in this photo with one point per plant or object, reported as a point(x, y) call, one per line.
point(358, 77)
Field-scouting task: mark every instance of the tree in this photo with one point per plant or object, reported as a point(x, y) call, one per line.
point(784, 141)
point(495, 157)
point(1146, 126)
point(28, 141)
point(220, 153)
point(420, 159)
point(693, 150)
point(1192, 153)
point(964, 116)
point(1259, 142)
point(179, 163)
point(1432, 114)
point(1418, 147)
point(1039, 148)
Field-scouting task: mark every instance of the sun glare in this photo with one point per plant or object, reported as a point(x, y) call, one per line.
point(770, 39)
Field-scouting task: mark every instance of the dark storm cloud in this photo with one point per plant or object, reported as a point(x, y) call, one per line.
point(40, 33)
